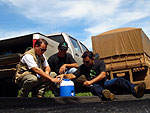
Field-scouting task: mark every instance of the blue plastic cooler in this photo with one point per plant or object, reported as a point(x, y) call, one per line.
point(67, 88)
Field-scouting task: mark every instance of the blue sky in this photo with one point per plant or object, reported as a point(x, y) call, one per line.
point(78, 18)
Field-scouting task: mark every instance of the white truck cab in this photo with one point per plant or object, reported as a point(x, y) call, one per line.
point(76, 48)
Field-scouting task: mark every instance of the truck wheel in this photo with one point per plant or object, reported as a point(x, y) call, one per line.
point(8, 88)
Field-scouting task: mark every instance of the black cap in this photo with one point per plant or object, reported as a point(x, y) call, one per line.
point(63, 45)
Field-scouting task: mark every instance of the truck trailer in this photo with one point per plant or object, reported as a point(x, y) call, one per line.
point(126, 53)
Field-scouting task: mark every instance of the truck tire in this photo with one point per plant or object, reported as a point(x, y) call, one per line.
point(8, 88)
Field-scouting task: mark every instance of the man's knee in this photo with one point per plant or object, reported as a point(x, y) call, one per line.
point(72, 70)
point(120, 79)
point(53, 74)
point(32, 79)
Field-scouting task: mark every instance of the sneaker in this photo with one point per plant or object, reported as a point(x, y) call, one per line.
point(39, 96)
point(107, 95)
point(139, 90)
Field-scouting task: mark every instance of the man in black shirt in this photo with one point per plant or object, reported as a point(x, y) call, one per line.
point(62, 62)
point(95, 72)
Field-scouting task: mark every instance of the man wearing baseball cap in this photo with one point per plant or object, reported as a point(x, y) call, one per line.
point(62, 62)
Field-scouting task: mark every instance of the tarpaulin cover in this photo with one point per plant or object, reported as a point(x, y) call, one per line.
point(121, 41)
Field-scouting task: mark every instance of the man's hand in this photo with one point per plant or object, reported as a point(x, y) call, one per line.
point(87, 83)
point(60, 77)
point(56, 80)
point(62, 69)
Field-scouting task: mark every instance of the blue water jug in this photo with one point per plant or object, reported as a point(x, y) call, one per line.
point(67, 88)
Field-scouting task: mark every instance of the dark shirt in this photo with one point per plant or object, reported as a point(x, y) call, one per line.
point(92, 71)
point(55, 62)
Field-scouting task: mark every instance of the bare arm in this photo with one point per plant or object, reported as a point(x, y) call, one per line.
point(71, 65)
point(66, 76)
point(44, 74)
point(47, 70)
point(63, 67)
point(98, 78)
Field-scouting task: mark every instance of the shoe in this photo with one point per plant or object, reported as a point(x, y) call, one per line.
point(23, 94)
point(39, 96)
point(139, 90)
point(36, 95)
point(107, 95)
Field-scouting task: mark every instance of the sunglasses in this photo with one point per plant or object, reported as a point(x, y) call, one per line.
point(43, 49)
point(63, 49)
point(86, 62)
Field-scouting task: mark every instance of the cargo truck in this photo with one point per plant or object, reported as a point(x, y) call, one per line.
point(126, 53)
point(12, 49)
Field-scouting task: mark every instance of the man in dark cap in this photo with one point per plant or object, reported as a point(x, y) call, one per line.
point(62, 62)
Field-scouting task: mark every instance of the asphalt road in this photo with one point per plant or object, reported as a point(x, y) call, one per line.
point(122, 104)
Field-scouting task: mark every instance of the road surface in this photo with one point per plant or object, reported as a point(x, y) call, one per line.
point(92, 104)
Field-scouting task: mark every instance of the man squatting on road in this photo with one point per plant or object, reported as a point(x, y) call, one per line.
point(33, 71)
point(95, 72)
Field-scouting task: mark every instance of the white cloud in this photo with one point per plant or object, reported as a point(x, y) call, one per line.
point(65, 10)
point(115, 22)
point(10, 34)
point(99, 15)
point(120, 17)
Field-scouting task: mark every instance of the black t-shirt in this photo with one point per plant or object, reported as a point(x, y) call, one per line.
point(55, 62)
point(92, 71)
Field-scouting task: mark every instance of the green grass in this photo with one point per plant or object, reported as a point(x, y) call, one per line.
point(50, 94)
point(84, 94)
